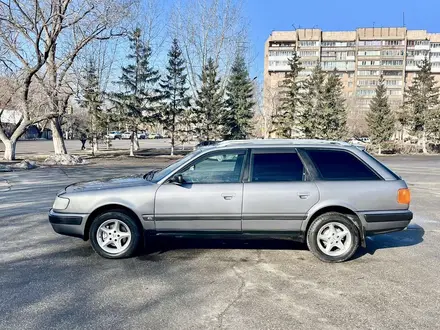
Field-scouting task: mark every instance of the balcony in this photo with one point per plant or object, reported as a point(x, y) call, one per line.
point(422, 47)
point(412, 68)
point(419, 57)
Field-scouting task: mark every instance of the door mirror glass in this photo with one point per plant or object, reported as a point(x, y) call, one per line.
point(178, 179)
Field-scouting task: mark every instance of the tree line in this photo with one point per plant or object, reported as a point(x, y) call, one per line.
point(145, 98)
point(50, 65)
point(313, 108)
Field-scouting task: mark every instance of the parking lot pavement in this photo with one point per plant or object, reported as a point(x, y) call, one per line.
point(49, 281)
point(45, 147)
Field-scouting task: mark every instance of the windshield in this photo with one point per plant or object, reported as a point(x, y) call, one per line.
point(170, 168)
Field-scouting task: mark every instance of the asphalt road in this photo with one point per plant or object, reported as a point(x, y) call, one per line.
point(45, 147)
point(48, 281)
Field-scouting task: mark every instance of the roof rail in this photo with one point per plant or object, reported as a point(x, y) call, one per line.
point(281, 142)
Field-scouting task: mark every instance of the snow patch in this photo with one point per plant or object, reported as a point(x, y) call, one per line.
point(64, 160)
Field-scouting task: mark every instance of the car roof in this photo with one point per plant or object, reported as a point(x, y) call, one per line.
point(274, 143)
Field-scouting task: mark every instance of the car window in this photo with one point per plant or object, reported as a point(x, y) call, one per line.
point(340, 165)
point(174, 166)
point(218, 168)
point(276, 167)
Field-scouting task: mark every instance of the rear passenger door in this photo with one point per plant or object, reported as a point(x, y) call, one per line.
point(278, 192)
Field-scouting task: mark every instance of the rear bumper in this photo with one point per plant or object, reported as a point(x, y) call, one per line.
point(68, 224)
point(386, 221)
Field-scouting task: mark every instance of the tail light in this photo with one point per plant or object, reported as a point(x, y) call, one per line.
point(404, 196)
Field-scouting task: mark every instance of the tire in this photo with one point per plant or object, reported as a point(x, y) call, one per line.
point(320, 234)
point(110, 226)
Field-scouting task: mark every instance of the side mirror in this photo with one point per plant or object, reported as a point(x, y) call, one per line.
point(178, 179)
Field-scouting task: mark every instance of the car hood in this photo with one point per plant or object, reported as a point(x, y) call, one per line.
point(112, 183)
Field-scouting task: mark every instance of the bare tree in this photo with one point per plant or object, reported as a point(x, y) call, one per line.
point(44, 38)
point(208, 28)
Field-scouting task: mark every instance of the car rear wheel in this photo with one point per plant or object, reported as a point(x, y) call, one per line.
point(332, 237)
point(115, 235)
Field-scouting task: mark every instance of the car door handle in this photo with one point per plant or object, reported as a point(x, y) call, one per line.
point(303, 195)
point(228, 197)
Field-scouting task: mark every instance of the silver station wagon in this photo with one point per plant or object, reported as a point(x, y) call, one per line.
point(330, 195)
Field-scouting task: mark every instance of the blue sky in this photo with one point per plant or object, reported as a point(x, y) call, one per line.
point(334, 15)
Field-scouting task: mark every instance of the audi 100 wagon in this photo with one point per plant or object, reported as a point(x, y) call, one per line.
point(330, 195)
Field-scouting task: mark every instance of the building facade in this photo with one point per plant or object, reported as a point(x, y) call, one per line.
point(359, 57)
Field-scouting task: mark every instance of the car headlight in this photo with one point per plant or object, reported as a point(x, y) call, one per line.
point(61, 203)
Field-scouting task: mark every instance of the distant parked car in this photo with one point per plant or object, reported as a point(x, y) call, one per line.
point(206, 143)
point(126, 135)
point(142, 135)
point(114, 135)
point(154, 136)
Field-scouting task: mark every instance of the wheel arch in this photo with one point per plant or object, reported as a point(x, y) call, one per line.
point(107, 208)
point(343, 209)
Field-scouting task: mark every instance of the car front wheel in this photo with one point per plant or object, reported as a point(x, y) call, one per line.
point(115, 235)
point(333, 237)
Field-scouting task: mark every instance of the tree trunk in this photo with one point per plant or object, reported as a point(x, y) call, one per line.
point(132, 145)
point(425, 150)
point(136, 141)
point(57, 136)
point(10, 146)
point(172, 143)
point(95, 144)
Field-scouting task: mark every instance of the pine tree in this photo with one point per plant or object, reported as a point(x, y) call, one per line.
point(137, 102)
point(380, 119)
point(209, 104)
point(92, 99)
point(286, 119)
point(422, 101)
point(335, 113)
point(312, 120)
point(173, 89)
point(237, 117)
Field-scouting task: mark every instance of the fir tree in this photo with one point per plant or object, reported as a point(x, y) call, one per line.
point(286, 119)
point(312, 120)
point(173, 89)
point(137, 102)
point(209, 104)
point(380, 119)
point(92, 99)
point(335, 114)
point(237, 117)
point(422, 101)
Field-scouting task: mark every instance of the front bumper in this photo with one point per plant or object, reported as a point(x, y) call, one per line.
point(386, 221)
point(68, 224)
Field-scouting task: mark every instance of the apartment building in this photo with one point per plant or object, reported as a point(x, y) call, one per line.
point(359, 57)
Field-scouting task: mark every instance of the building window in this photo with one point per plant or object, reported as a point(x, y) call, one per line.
point(365, 92)
point(369, 53)
point(392, 42)
point(393, 82)
point(392, 73)
point(350, 84)
point(306, 53)
point(394, 92)
point(309, 43)
point(393, 52)
point(280, 52)
point(308, 63)
point(435, 45)
point(369, 73)
point(350, 74)
point(368, 63)
point(370, 43)
point(367, 82)
point(392, 63)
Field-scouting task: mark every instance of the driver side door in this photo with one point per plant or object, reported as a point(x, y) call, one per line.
point(209, 199)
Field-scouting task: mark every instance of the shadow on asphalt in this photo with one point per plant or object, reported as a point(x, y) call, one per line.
point(160, 245)
point(409, 237)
